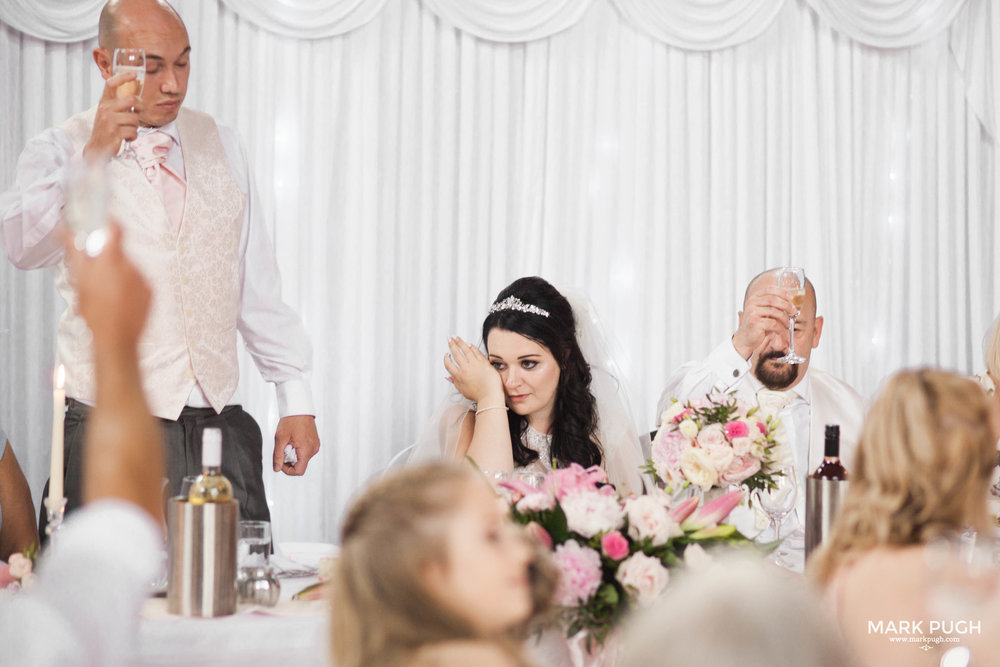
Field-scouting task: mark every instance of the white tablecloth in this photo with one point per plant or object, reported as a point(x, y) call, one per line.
point(290, 633)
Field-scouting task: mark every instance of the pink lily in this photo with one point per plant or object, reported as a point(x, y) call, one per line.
point(683, 510)
point(713, 512)
point(519, 487)
point(539, 534)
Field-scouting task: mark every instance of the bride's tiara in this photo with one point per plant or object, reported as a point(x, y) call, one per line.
point(513, 303)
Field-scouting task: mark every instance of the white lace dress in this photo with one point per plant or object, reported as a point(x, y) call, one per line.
point(541, 443)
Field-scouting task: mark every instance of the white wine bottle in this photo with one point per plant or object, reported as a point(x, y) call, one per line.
point(210, 486)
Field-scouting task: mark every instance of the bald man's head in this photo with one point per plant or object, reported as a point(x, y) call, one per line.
point(122, 13)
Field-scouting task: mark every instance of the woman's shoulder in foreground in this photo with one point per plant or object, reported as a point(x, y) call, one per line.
point(461, 653)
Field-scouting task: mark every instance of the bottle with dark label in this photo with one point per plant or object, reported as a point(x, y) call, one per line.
point(210, 486)
point(825, 491)
point(831, 468)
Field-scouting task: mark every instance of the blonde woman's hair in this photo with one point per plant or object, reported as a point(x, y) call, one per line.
point(922, 468)
point(382, 613)
point(991, 353)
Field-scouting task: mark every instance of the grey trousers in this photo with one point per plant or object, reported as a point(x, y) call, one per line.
point(242, 445)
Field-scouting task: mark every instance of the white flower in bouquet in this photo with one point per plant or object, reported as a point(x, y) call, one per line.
point(590, 513)
point(644, 577)
point(698, 469)
point(771, 403)
point(688, 428)
point(720, 455)
point(671, 413)
point(648, 518)
point(536, 502)
point(741, 446)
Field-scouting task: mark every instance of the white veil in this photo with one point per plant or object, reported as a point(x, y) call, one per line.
point(616, 431)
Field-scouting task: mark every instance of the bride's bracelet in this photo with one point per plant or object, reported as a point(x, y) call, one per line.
point(492, 407)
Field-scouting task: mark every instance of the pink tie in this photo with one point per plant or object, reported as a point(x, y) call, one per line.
point(151, 151)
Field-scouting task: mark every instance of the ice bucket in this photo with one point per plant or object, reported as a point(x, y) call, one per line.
point(202, 543)
point(823, 500)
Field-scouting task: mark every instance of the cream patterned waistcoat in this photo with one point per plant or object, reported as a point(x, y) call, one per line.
point(193, 271)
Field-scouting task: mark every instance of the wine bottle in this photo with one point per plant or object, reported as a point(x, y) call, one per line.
point(210, 486)
point(831, 467)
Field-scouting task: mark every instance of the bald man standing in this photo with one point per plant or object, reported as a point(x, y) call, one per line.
point(186, 201)
point(805, 398)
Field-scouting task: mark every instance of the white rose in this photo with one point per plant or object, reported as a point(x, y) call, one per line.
point(757, 450)
point(698, 469)
point(647, 517)
point(536, 502)
point(18, 565)
point(644, 577)
point(688, 428)
point(721, 456)
point(589, 513)
point(771, 402)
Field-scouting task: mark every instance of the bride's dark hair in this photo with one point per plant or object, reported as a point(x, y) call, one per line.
point(574, 414)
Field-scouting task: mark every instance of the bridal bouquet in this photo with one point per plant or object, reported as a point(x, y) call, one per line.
point(614, 553)
point(18, 572)
point(717, 441)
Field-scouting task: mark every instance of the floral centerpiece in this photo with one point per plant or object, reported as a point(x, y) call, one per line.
point(18, 572)
point(717, 441)
point(614, 553)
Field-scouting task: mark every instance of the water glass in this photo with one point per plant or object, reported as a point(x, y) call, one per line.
point(253, 543)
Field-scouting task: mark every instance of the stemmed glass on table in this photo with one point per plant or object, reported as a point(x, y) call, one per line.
point(778, 502)
point(792, 279)
point(130, 60)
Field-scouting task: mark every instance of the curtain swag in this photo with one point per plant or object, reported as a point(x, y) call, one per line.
point(687, 24)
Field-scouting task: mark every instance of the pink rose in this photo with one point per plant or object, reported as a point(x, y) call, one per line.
point(679, 417)
point(19, 565)
point(742, 467)
point(579, 573)
point(736, 429)
point(649, 519)
point(644, 577)
point(614, 545)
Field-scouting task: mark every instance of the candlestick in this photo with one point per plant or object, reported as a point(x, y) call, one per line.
point(58, 410)
point(54, 508)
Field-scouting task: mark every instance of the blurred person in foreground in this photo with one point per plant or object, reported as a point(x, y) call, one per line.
point(432, 571)
point(18, 530)
point(83, 608)
point(735, 612)
point(920, 482)
point(990, 378)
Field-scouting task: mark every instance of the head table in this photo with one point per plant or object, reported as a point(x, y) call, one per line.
point(293, 632)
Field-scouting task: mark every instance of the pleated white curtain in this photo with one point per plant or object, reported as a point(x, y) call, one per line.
point(415, 168)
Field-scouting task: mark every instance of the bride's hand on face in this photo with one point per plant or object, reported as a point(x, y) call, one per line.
point(473, 374)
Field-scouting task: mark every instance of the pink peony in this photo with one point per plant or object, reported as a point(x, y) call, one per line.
point(667, 449)
point(614, 545)
point(711, 436)
point(741, 468)
point(579, 573)
point(737, 429)
point(535, 502)
point(644, 577)
point(590, 513)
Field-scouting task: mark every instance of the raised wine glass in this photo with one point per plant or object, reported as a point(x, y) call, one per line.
point(130, 60)
point(792, 279)
point(778, 502)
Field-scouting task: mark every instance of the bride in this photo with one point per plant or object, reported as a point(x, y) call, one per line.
point(542, 395)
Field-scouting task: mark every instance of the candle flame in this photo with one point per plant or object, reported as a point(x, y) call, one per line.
point(60, 377)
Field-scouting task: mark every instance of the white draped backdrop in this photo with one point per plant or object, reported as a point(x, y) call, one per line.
point(419, 155)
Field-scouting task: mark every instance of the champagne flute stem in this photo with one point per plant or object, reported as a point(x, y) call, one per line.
point(791, 336)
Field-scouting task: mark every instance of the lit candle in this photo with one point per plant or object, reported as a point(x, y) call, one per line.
point(58, 407)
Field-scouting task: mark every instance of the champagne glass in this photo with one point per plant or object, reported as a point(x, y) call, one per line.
point(130, 60)
point(792, 279)
point(779, 501)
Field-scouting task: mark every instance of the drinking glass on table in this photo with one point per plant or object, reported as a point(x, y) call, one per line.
point(792, 279)
point(253, 543)
point(778, 502)
point(130, 60)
